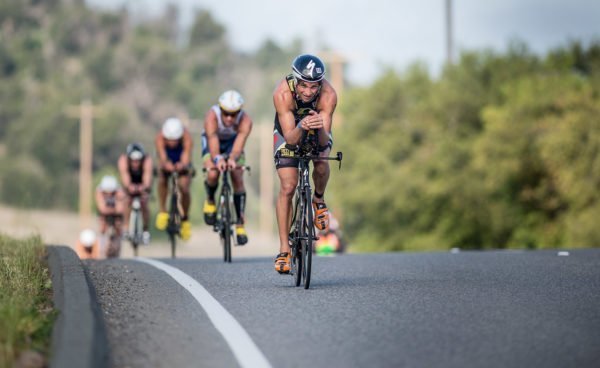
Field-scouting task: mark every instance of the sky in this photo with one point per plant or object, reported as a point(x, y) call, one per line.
point(377, 34)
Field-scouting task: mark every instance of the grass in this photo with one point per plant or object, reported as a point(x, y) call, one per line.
point(26, 309)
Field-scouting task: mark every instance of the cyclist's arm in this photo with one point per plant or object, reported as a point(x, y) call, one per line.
point(186, 155)
point(159, 142)
point(147, 175)
point(242, 135)
point(327, 104)
point(212, 138)
point(284, 105)
point(100, 203)
point(120, 199)
point(124, 171)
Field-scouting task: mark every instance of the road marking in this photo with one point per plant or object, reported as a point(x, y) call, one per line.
point(244, 349)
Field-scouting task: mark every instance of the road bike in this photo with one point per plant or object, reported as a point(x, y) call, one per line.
point(136, 224)
point(113, 243)
point(302, 233)
point(175, 208)
point(225, 223)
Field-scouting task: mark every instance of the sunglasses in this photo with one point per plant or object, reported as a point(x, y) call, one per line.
point(229, 114)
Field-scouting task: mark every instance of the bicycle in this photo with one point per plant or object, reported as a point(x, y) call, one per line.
point(113, 249)
point(136, 224)
point(175, 209)
point(224, 223)
point(302, 233)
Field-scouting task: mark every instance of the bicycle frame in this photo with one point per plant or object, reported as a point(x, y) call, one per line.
point(114, 242)
point(303, 231)
point(175, 211)
point(225, 222)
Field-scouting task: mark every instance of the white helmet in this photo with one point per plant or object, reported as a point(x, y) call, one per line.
point(87, 238)
point(109, 184)
point(231, 101)
point(172, 129)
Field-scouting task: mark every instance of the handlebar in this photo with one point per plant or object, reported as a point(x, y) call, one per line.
point(338, 157)
point(243, 167)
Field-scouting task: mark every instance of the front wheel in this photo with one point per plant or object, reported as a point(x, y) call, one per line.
point(307, 242)
point(226, 240)
point(173, 241)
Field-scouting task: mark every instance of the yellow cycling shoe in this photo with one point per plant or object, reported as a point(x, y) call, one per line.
point(162, 220)
point(210, 213)
point(186, 230)
point(241, 236)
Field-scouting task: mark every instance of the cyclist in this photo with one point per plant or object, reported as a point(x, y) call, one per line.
point(87, 246)
point(226, 129)
point(135, 169)
point(110, 200)
point(174, 148)
point(304, 105)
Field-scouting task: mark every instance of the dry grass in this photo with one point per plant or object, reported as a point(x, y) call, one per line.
point(26, 313)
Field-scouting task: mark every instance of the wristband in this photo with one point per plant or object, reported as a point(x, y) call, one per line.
point(217, 158)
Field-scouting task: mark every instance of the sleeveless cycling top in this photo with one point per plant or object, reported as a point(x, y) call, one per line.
point(227, 133)
point(136, 175)
point(302, 108)
point(174, 154)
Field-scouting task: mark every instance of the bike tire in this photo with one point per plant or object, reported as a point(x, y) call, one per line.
point(297, 253)
point(135, 238)
point(173, 226)
point(226, 234)
point(307, 243)
point(173, 241)
point(225, 220)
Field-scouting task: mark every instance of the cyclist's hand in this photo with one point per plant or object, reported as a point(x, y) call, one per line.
point(231, 163)
point(132, 189)
point(221, 165)
point(168, 166)
point(312, 121)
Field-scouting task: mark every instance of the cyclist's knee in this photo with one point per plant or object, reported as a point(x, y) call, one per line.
point(287, 188)
point(185, 190)
point(321, 167)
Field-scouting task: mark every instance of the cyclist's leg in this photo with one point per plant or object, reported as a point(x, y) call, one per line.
point(103, 227)
point(239, 201)
point(162, 217)
point(144, 197)
point(210, 184)
point(288, 177)
point(320, 178)
point(126, 213)
point(184, 189)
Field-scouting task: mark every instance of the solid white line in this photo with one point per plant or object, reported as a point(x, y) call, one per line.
point(244, 349)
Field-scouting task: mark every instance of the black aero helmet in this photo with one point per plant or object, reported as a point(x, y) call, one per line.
point(135, 151)
point(308, 68)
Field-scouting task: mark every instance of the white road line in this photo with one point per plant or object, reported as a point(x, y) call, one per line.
point(244, 349)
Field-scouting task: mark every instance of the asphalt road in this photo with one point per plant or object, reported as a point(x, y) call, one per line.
point(471, 309)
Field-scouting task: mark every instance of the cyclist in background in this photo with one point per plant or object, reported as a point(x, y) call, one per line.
point(87, 246)
point(304, 105)
point(226, 129)
point(174, 148)
point(135, 169)
point(110, 202)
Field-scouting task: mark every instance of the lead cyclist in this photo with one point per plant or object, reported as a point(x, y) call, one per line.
point(304, 105)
